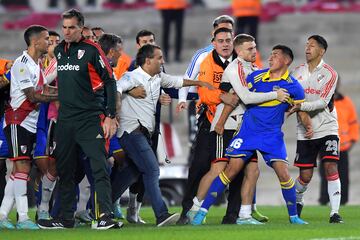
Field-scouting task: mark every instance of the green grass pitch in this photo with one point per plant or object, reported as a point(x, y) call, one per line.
point(277, 228)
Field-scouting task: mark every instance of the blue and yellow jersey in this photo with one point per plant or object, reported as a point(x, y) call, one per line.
point(269, 116)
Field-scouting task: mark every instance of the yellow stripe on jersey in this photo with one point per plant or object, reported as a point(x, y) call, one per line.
point(299, 101)
point(266, 77)
point(271, 103)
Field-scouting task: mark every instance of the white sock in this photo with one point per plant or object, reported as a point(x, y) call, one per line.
point(9, 198)
point(203, 210)
point(20, 187)
point(196, 204)
point(253, 207)
point(117, 201)
point(48, 184)
point(301, 188)
point(132, 200)
point(138, 207)
point(9, 168)
point(84, 195)
point(334, 190)
point(245, 211)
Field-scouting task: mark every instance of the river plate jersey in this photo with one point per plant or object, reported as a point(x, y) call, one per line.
point(82, 71)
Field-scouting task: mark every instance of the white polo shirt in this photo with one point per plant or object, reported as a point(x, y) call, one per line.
point(134, 110)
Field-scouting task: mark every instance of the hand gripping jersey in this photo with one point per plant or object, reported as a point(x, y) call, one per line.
point(319, 89)
point(25, 73)
point(261, 126)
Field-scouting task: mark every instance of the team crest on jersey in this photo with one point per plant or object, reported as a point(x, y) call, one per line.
point(80, 53)
point(320, 77)
point(59, 56)
point(23, 148)
point(275, 88)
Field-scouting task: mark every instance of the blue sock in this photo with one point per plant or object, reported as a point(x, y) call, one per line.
point(215, 190)
point(289, 195)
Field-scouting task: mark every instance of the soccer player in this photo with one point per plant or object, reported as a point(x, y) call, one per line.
point(261, 130)
point(43, 152)
point(319, 81)
point(27, 83)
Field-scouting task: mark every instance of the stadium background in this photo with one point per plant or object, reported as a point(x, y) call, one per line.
point(341, 30)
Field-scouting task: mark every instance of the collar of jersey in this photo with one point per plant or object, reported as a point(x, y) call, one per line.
point(247, 64)
point(266, 77)
point(321, 63)
point(145, 74)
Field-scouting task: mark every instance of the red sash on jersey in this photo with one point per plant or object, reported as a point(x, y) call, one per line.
point(17, 116)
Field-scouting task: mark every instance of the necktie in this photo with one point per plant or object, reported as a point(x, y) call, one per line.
point(226, 63)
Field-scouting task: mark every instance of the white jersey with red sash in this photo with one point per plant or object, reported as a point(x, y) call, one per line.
point(25, 73)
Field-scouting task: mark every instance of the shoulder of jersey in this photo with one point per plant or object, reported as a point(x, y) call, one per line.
point(330, 69)
point(299, 67)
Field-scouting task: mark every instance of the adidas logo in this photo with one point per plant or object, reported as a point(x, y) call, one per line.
point(99, 136)
point(214, 194)
point(336, 193)
point(102, 223)
point(57, 225)
point(289, 203)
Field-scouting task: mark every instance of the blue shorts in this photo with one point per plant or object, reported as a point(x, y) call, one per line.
point(41, 132)
point(114, 146)
point(4, 149)
point(270, 145)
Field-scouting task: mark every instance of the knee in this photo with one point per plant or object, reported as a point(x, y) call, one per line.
point(306, 178)
point(284, 176)
point(330, 168)
point(233, 168)
point(252, 171)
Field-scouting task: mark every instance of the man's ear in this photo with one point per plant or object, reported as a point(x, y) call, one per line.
point(322, 51)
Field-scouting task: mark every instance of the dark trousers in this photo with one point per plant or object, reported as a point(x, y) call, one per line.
point(248, 25)
point(2, 178)
point(200, 163)
point(343, 168)
point(168, 17)
point(71, 136)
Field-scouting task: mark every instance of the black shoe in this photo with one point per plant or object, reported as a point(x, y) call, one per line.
point(335, 218)
point(183, 220)
point(167, 219)
point(299, 208)
point(56, 223)
point(228, 220)
point(106, 222)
